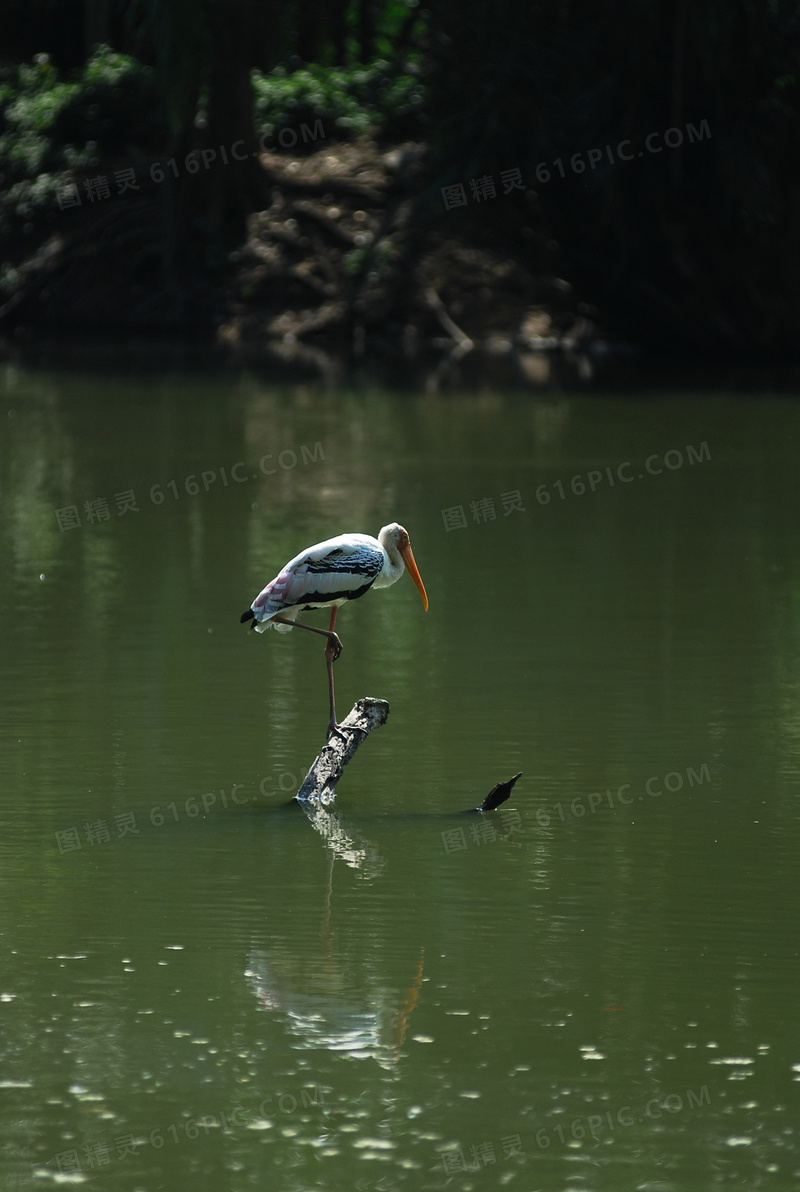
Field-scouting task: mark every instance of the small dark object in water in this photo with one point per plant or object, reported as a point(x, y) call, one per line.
point(498, 794)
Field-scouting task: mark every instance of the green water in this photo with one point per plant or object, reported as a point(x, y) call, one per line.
point(595, 988)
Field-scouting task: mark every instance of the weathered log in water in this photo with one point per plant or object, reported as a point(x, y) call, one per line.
point(319, 784)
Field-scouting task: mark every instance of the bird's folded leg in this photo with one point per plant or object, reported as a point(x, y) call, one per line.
point(334, 642)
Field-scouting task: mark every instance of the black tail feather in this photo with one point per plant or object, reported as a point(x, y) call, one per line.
point(249, 615)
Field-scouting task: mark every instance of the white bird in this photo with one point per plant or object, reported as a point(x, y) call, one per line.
point(328, 574)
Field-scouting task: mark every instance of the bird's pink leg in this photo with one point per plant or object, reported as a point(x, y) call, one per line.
point(332, 651)
point(330, 658)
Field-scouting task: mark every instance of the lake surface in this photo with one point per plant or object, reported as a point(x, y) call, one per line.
point(593, 989)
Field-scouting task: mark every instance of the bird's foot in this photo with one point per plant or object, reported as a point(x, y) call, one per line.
point(333, 648)
point(341, 729)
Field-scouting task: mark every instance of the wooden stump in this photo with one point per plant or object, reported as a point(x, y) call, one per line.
point(319, 784)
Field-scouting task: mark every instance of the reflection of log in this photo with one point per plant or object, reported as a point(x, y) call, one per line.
point(342, 842)
point(319, 784)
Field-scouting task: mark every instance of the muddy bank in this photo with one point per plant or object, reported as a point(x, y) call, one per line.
point(356, 262)
point(350, 262)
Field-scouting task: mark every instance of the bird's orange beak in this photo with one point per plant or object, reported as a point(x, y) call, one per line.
point(411, 568)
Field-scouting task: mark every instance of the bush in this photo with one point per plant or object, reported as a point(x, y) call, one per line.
point(349, 100)
point(50, 127)
point(108, 105)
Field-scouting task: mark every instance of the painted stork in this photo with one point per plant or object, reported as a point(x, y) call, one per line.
point(328, 574)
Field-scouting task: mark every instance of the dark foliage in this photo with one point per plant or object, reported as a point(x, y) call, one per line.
point(693, 247)
point(657, 143)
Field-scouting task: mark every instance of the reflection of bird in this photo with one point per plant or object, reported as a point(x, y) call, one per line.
point(328, 574)
point(410, 1001)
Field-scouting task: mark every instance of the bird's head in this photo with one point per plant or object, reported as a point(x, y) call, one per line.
point(395, 541)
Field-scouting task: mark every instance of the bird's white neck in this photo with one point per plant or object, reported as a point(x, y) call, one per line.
point(393, 567)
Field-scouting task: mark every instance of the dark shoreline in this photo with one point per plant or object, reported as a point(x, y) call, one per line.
point(593, 367)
